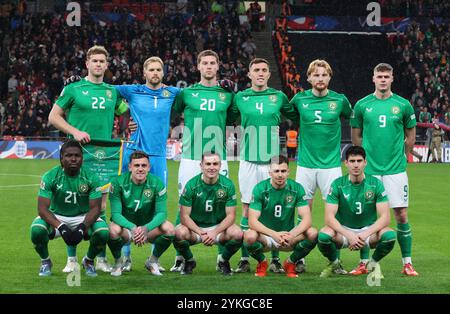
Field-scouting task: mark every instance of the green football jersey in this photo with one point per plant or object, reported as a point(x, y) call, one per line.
point(90, 107)
point(69, 195)
point(278, 207)
point(137, 204)
point(319, 144)
point(260, 118)
point(205, 115)
point(357, 202)
point(208, 201)
point(383, 136)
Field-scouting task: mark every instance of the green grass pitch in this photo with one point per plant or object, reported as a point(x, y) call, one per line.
point(429, 215)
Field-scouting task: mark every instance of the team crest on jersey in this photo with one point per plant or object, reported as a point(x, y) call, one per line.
point(165, 93)
point(369, 195)
point(100, 154)
point(83, 188)
point(108, 94)
point(220, 193)
point(273, 98)
point(395, 110)
point(148, 193)
point(42, 185)
point(332, 106)
point(289, 199)
point(222, 96)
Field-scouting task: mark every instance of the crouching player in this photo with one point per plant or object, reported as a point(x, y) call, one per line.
point(208, 212)
point(352, 206)
point(69, 205)
point(272, 219)
point(138, 213)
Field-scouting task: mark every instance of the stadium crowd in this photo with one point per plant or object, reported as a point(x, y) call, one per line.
point(39, 51)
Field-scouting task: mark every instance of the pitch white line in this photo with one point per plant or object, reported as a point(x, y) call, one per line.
point(19, 174)
point(5, 187)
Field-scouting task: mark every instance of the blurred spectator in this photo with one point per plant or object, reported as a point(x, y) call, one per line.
point(253, 14)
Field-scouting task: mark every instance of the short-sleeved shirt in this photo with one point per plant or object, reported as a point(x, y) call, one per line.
point(382, 122)
point(205, 114)
point(357, 202)
point(69, 195)
point(319, 145)
point(137, 203)
point(208, 202)
point(278, 207)
point(90, 107)
point(260, 118)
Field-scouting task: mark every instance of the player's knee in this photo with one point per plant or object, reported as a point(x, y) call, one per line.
point(401, 215)
point(250, 237)
point(388, 236)
point(38, 234)
point(312, 234)
point(235, 233)
point(181, 233)
point(324, 238)
point(100, 235)
point(168, 229)
point(114, 231)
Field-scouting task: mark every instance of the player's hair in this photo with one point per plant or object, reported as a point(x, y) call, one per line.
point(257, 61)
point(97, 50)
point(206, 53)
point(355, 151)
point(153, 59)
point(211, 153)
point(319, 63)
point(383, 67)
point(138, 154)
point(278, 160)
point(67, 144)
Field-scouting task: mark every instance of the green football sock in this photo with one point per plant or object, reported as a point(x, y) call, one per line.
point(256, 251)
point(364, 253)
point(39, 237)
point(404, 238)
point(184, 248)
point(97, 242)
point(230, 248)
point(161, 244)
point(115, 245)
point(244, 226)
point(275, 254)
point(220, 248)
point(71, 251)
point(302, 249)
point(327, 247)
point(384, 246)
point(102, 253)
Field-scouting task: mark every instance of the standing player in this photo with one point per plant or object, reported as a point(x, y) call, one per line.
point(275, 202)
point(260, 108)
point(69, 206)
point(319, 149)
point(208, 212)
point(351, 215)
point(150, 106)
point(139, 212)
point(384, 117)
point(86, 109)
point(205, 107)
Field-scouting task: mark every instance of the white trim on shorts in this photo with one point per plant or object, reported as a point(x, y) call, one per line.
point(313, 178)
point(190, 168)
point(250, 174)
point(394, 185)
point(345, 240)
